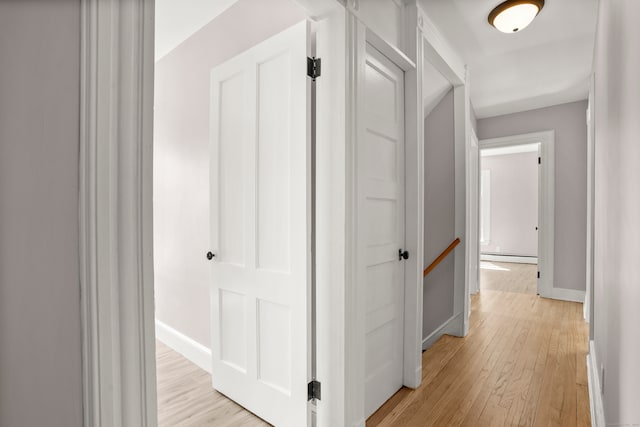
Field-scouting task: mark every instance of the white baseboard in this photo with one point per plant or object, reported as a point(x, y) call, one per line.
point(190, 349)
point(451, 327)
point(595, 396)
point(509, 258)
point(562, 294)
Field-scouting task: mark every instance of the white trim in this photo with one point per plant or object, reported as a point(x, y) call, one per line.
point(511, 149)
point(437, 51)
point(563, 294)
point(546, 209)
point(596, 403)
point(484, 203)
point(115, 213)
point(358, 35)
point(398, 57)
point(588, 303)
point(192, 350)
point(354, 303)
point(449, 327)
point(462, 263)
point(331, 210)
point(440, 54)
point(414, 205)
point(509, 258)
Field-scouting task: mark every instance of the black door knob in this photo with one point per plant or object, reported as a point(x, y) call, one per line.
point(210, 255)
point(403, 255)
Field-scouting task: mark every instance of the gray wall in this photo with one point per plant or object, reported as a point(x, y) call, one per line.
point(569, 123)
point(181, 157)
point(617, 210)
point(513, 204)
point(40, 341)
point(439, 214)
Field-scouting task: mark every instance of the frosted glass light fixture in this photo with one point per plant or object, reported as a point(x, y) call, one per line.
point(512, 16)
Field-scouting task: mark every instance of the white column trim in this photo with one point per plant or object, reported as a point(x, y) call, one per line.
point(596, 403)
point(115, 213)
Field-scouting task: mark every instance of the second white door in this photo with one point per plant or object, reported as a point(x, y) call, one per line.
point(381, 208)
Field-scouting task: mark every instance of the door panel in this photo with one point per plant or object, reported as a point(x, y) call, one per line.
point(381, 226)
point(260, 227)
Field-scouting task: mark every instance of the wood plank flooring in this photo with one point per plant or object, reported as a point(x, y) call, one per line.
point(523, 363)
point(509, 277)
point(186, 398)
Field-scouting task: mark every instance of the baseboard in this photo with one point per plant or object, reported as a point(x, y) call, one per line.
point(190, 349)
point(509, 258)
point(595, 397)
point(451, 327)
point(562, 294)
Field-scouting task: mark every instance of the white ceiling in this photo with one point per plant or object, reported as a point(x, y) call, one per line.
point(177, 20)
point(547, 63)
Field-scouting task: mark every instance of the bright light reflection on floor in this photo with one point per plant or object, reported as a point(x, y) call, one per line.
point(491, 266)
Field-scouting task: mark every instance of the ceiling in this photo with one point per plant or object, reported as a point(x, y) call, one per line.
point(547, 63)
point(176, 21)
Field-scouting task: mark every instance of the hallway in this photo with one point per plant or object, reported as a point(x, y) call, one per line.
point(522, 363)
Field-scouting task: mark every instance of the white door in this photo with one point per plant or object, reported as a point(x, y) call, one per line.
point(381, 226)
point(260, 228)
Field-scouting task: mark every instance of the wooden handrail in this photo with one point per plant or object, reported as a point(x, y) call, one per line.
point(442, 256)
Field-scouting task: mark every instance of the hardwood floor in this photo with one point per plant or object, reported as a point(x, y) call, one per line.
point(509, 277)
point(523, 363)
point(186, 398)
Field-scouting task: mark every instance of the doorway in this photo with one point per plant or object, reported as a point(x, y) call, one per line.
point(516, 214)
point(232, 187)
point(509, 218)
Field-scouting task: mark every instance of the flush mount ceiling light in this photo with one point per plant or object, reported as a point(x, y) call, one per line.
point(512, 16)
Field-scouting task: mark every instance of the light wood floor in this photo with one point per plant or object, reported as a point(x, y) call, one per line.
point(509, 277)
point(186, 398)
point(523, 363)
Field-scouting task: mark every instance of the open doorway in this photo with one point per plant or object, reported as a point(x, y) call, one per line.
point(516, 213)
point(509, 218)
point(232, 195)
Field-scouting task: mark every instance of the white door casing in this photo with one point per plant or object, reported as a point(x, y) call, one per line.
point(260, 227)
point(473, 194)
point(380, 165)
point(546, 202)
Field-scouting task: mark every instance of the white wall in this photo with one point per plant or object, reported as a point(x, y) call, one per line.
point(181, 157)
point(40, 339)
point(513, 204)
point(570, 125)
point(617, 210)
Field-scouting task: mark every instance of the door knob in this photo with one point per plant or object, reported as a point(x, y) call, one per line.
point(403, 255)
point(210, 255)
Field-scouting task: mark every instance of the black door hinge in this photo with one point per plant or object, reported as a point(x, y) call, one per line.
point(539, 160)
point(313, 390)
point(314, 67)
point(538, 274)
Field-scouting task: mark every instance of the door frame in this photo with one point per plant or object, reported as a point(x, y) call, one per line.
point(546, 202)
point(116, 211)
point(423, 38)
point(358, 35)
point(439, 54)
